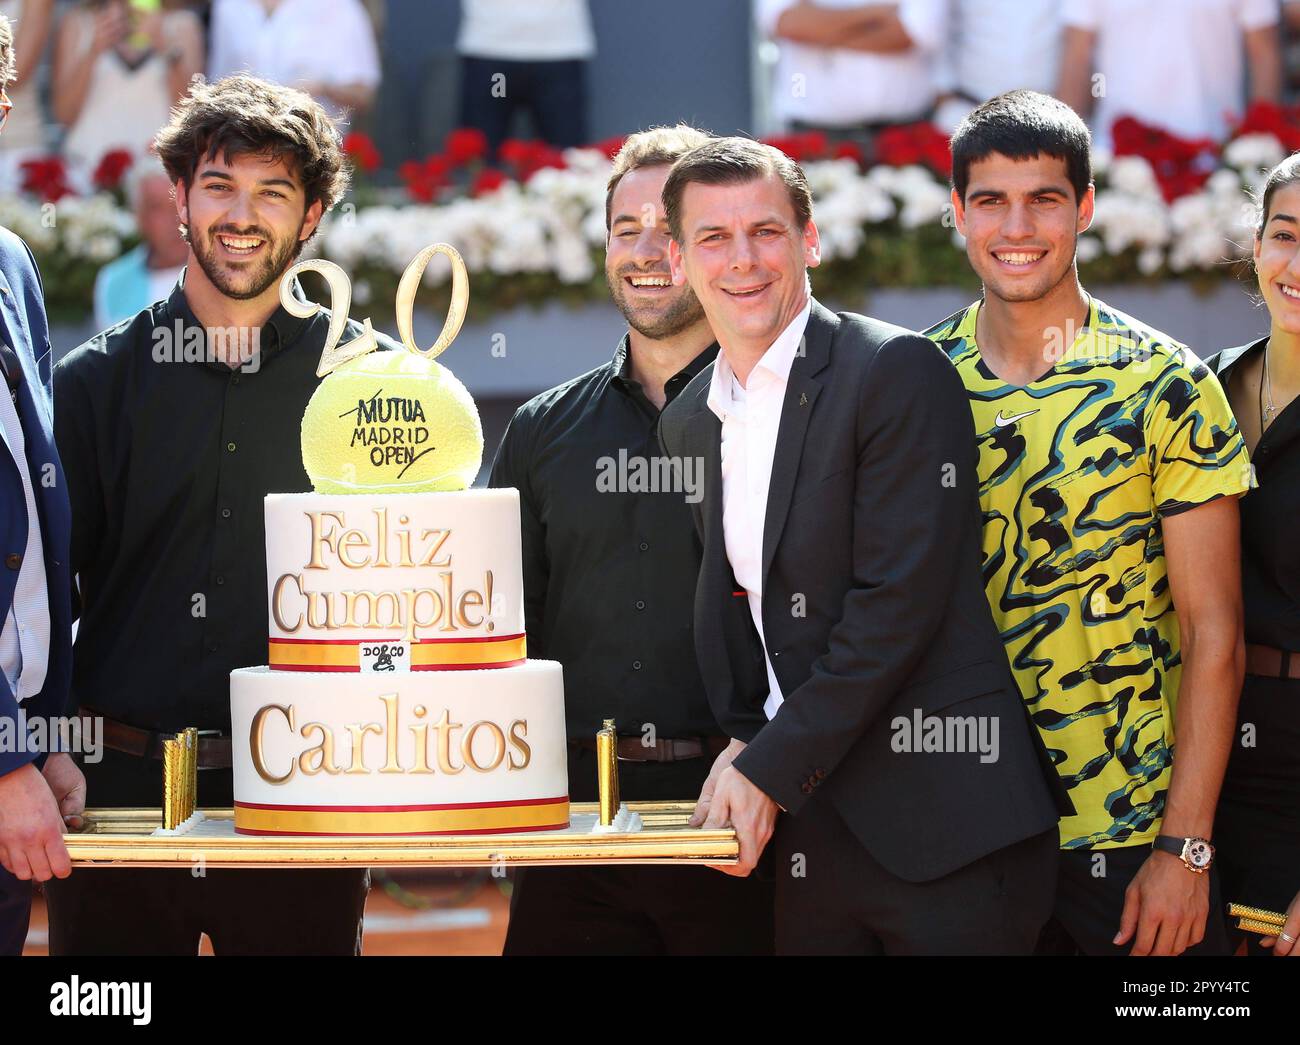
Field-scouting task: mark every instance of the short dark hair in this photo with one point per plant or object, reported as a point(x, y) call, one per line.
point(245, 116)
point(735, 161)
point(8, 63)
point(655, 147)
point(1022, 125)
point(1285, 173)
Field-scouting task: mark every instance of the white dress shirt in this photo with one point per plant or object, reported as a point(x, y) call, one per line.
point(1178, 64)
point(751, 416)
point(25, 636)
point(838, 87)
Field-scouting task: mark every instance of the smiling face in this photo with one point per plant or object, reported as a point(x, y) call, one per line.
point(1277, 258)
point(636, 259)
point(247, 220)
point(1022, 223)
point(746, 258)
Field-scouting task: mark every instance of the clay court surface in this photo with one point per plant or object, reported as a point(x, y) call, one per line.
point(419, 912)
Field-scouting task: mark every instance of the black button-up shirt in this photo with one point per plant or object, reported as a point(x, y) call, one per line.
point(1270, 555)
point(169, 455)
point(609, 568)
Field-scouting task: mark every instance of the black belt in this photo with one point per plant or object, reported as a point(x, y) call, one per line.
point(1271, 663)
point(214, 749)
point(633, 749)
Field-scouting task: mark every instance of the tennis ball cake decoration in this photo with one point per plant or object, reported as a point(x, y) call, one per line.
point(388, 422)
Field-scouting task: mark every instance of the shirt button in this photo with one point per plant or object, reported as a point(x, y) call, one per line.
point(13, 560)
point(220, 579)
point(225, 513)
point(212, 647)
point(640, 604)
point(235, 380)
point(230, 447)
point(636, 665)
point(644, 547)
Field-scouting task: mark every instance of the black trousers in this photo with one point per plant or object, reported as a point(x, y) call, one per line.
point(832, 897)
point(554, 94)
point(638, 910)
point(1257, 826)
point(1090, 901)
point(15, 913)
point(147, 911)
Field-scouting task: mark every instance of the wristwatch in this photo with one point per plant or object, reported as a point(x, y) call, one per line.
point(1196, 853)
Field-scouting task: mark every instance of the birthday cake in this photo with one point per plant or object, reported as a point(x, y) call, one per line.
point(398, 698)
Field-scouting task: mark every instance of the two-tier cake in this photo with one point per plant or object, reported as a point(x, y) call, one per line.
point(398, 698)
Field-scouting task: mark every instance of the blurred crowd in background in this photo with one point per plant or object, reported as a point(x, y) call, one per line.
point(96, 78)
point(99, 75)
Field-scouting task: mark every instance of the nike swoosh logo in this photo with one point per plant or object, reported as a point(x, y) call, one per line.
point(1002, 422)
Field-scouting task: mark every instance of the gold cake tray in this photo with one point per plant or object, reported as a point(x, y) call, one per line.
point(121, 837)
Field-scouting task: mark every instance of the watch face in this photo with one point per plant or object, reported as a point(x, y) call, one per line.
point(1199, 852)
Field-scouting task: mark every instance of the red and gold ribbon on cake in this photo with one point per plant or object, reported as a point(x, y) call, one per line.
point(494, 651)
point(462, 818)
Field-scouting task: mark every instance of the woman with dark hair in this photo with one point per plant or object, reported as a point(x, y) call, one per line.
point(1258, 823)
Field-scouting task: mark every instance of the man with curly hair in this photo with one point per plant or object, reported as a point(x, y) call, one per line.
point(175, 424)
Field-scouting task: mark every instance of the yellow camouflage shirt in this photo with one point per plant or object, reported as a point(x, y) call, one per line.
point(1076, 470)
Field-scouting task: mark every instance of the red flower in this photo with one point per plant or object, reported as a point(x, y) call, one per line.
point(914, 143)
point(363, 152)
point(1281, 121)
point(610, 146)
point(1181, 165)
point(526, 158)
point(487, 180)
point(46, 178)
point(424, 179)
point(114, 164)
point(810, 145)
point(465, 145)
point(850, 151)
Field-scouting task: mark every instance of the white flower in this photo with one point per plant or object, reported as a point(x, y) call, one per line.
point(1089, 249)
point(1134, 176)
point(1254, 152)
point(1150, 260)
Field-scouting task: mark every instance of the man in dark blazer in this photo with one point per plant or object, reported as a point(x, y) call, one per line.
point(840, 618)
point(36, 789)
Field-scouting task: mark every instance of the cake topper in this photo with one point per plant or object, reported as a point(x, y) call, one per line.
point(340, 287)
point(387, 421)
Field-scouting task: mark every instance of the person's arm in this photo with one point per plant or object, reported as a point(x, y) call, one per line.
point(1166, 905)
point(809, 23)
point(1291, 14)
point(355, 97)
point(511, 469)
point(354, 73)
point(1074, 86)
point(179, 39)
point(74, 68)
point(1264, 62)
point(31, 34)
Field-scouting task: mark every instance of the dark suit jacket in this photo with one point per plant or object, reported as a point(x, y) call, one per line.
point(23, 328)
point(873, 517)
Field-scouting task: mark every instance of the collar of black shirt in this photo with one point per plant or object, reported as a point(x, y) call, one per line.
point(621, 365)
point(1223, 362)
point(277, 333)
